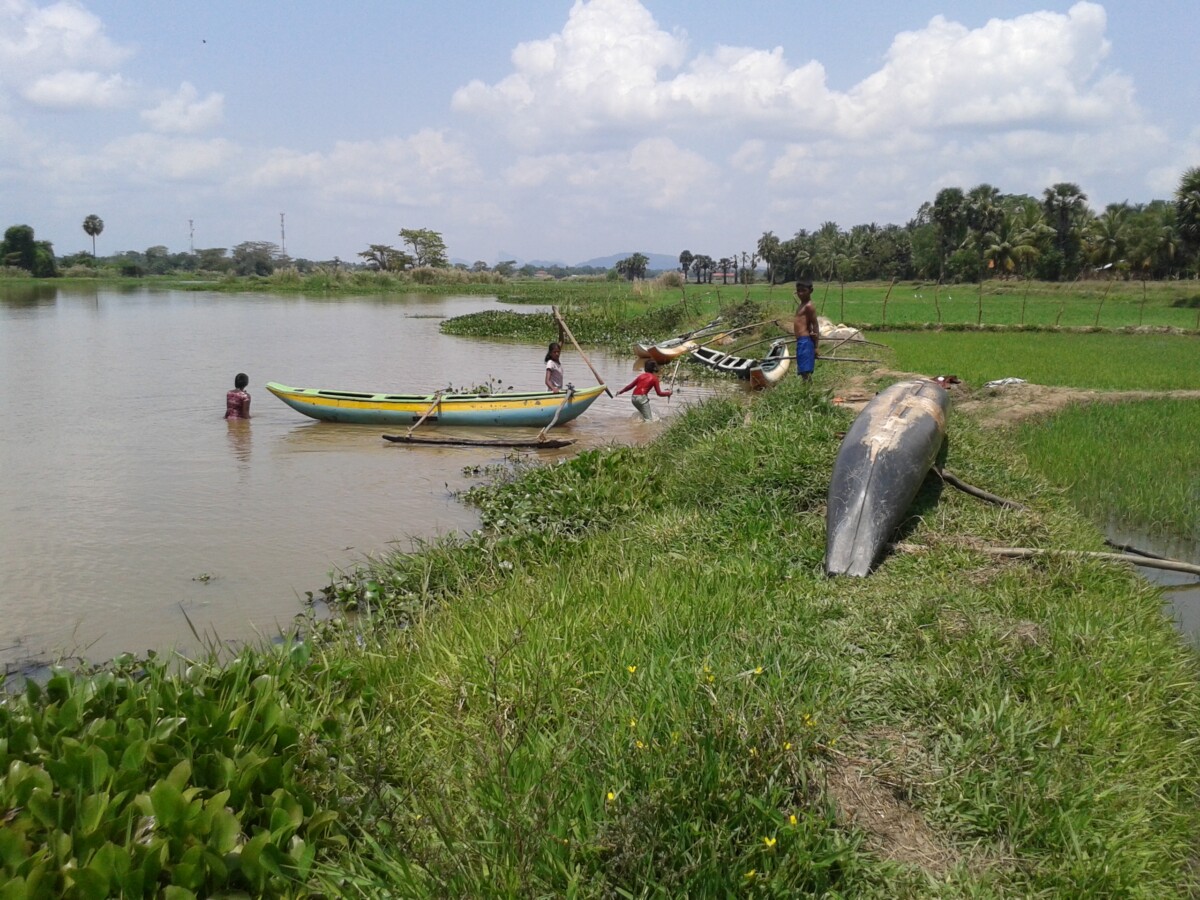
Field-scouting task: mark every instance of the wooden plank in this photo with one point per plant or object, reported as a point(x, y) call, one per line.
point(548, 444)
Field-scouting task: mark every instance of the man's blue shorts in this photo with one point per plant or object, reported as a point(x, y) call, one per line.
point(806, 355)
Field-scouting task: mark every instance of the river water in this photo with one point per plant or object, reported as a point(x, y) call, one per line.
point(130, 507)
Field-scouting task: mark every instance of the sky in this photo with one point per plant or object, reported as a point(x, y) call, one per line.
point(563, 131)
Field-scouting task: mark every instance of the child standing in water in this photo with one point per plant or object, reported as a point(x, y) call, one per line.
point(641, 389)
point(237, 401)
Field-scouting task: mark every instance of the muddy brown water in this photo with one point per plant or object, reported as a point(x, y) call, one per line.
point(130, 506)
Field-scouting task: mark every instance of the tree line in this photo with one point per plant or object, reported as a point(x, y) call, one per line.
point(961, 235)
point(983, 233)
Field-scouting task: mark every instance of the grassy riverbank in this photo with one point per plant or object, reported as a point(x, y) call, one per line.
point(636, 679)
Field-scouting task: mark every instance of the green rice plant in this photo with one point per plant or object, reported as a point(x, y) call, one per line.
point(1100, 453)
point(1095, 361)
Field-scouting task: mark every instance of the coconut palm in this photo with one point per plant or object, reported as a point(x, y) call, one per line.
point(93, 225)
point(1107, 235)
point(1010, 245)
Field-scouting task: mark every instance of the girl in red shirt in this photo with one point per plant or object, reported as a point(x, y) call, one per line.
point(641, 389)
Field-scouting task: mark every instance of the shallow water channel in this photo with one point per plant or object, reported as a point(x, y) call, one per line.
point(129, 506)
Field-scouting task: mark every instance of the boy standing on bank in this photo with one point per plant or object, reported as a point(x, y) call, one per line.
point(808, 332)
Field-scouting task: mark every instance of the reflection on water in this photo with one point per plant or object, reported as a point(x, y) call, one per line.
point(131, 506)
point(239, 438)
point(1181, 591)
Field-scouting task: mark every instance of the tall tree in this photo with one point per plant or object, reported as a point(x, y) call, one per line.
point(1065, 206)
point(685, 262)
point(255, 258)
point(1187, 211)
point(949, 216)
point(633, 266)
point(19, 248)
point(428, 248)
point(768, 251)
point(385, 258)
point(92, 226)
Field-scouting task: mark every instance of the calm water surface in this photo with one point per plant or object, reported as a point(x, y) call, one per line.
point(129, 505)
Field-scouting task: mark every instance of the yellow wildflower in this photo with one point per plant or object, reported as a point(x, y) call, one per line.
point(633, 723)
point(787, 745)
point(758, 670)
point(631, 669)
point(750, 875)
point(611, 797)
point(639, 745)
point(792, 819)
point(769, 842)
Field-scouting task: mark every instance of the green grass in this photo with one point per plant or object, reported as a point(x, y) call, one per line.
point(640, 683)
point(1100, 452)
point(1094, 361)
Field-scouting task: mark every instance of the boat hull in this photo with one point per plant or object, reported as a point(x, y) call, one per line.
point(878, 471)
point(535, 410)
point(724, 362)
point(770, 370)
point(662, 354)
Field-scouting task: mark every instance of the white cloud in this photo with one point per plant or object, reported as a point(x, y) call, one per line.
point(602, 68)
point(394, 170)
point(148, 157)
point(58, 56)
point(184, 113)
point(605, 70)
point(71, 89)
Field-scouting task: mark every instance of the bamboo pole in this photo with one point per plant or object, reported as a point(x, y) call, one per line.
point(563, 324)
point(725, 334)
point(1171, 565)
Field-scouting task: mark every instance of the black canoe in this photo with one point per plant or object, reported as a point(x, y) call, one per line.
point(724, 362)
point(879, 468)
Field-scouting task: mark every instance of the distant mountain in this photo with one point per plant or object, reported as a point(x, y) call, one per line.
point(658, 261)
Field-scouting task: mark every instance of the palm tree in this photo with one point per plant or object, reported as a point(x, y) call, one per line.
point(1187, 208)
point(1108, 234)
point(685, 262)
point(1010, 245)
point(950, 221)
point(768, 249)
point(1064, 205)
point(93, 225)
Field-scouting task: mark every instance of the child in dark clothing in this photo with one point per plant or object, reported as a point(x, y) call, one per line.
point(641, 389)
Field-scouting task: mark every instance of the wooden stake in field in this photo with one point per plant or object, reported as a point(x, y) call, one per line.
point(563, 325)
point(885, 298)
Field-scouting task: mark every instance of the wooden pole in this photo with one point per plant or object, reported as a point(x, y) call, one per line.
point(561, 407)
point(437, 398)
point(674, 372)
point(725, 334)
point(563, 325)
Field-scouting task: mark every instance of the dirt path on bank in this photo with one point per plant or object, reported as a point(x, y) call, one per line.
point(1009, 404)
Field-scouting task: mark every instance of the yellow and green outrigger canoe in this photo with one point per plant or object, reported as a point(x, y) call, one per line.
point(535, 409)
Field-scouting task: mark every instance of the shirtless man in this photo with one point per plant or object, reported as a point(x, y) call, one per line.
point(807, 331)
